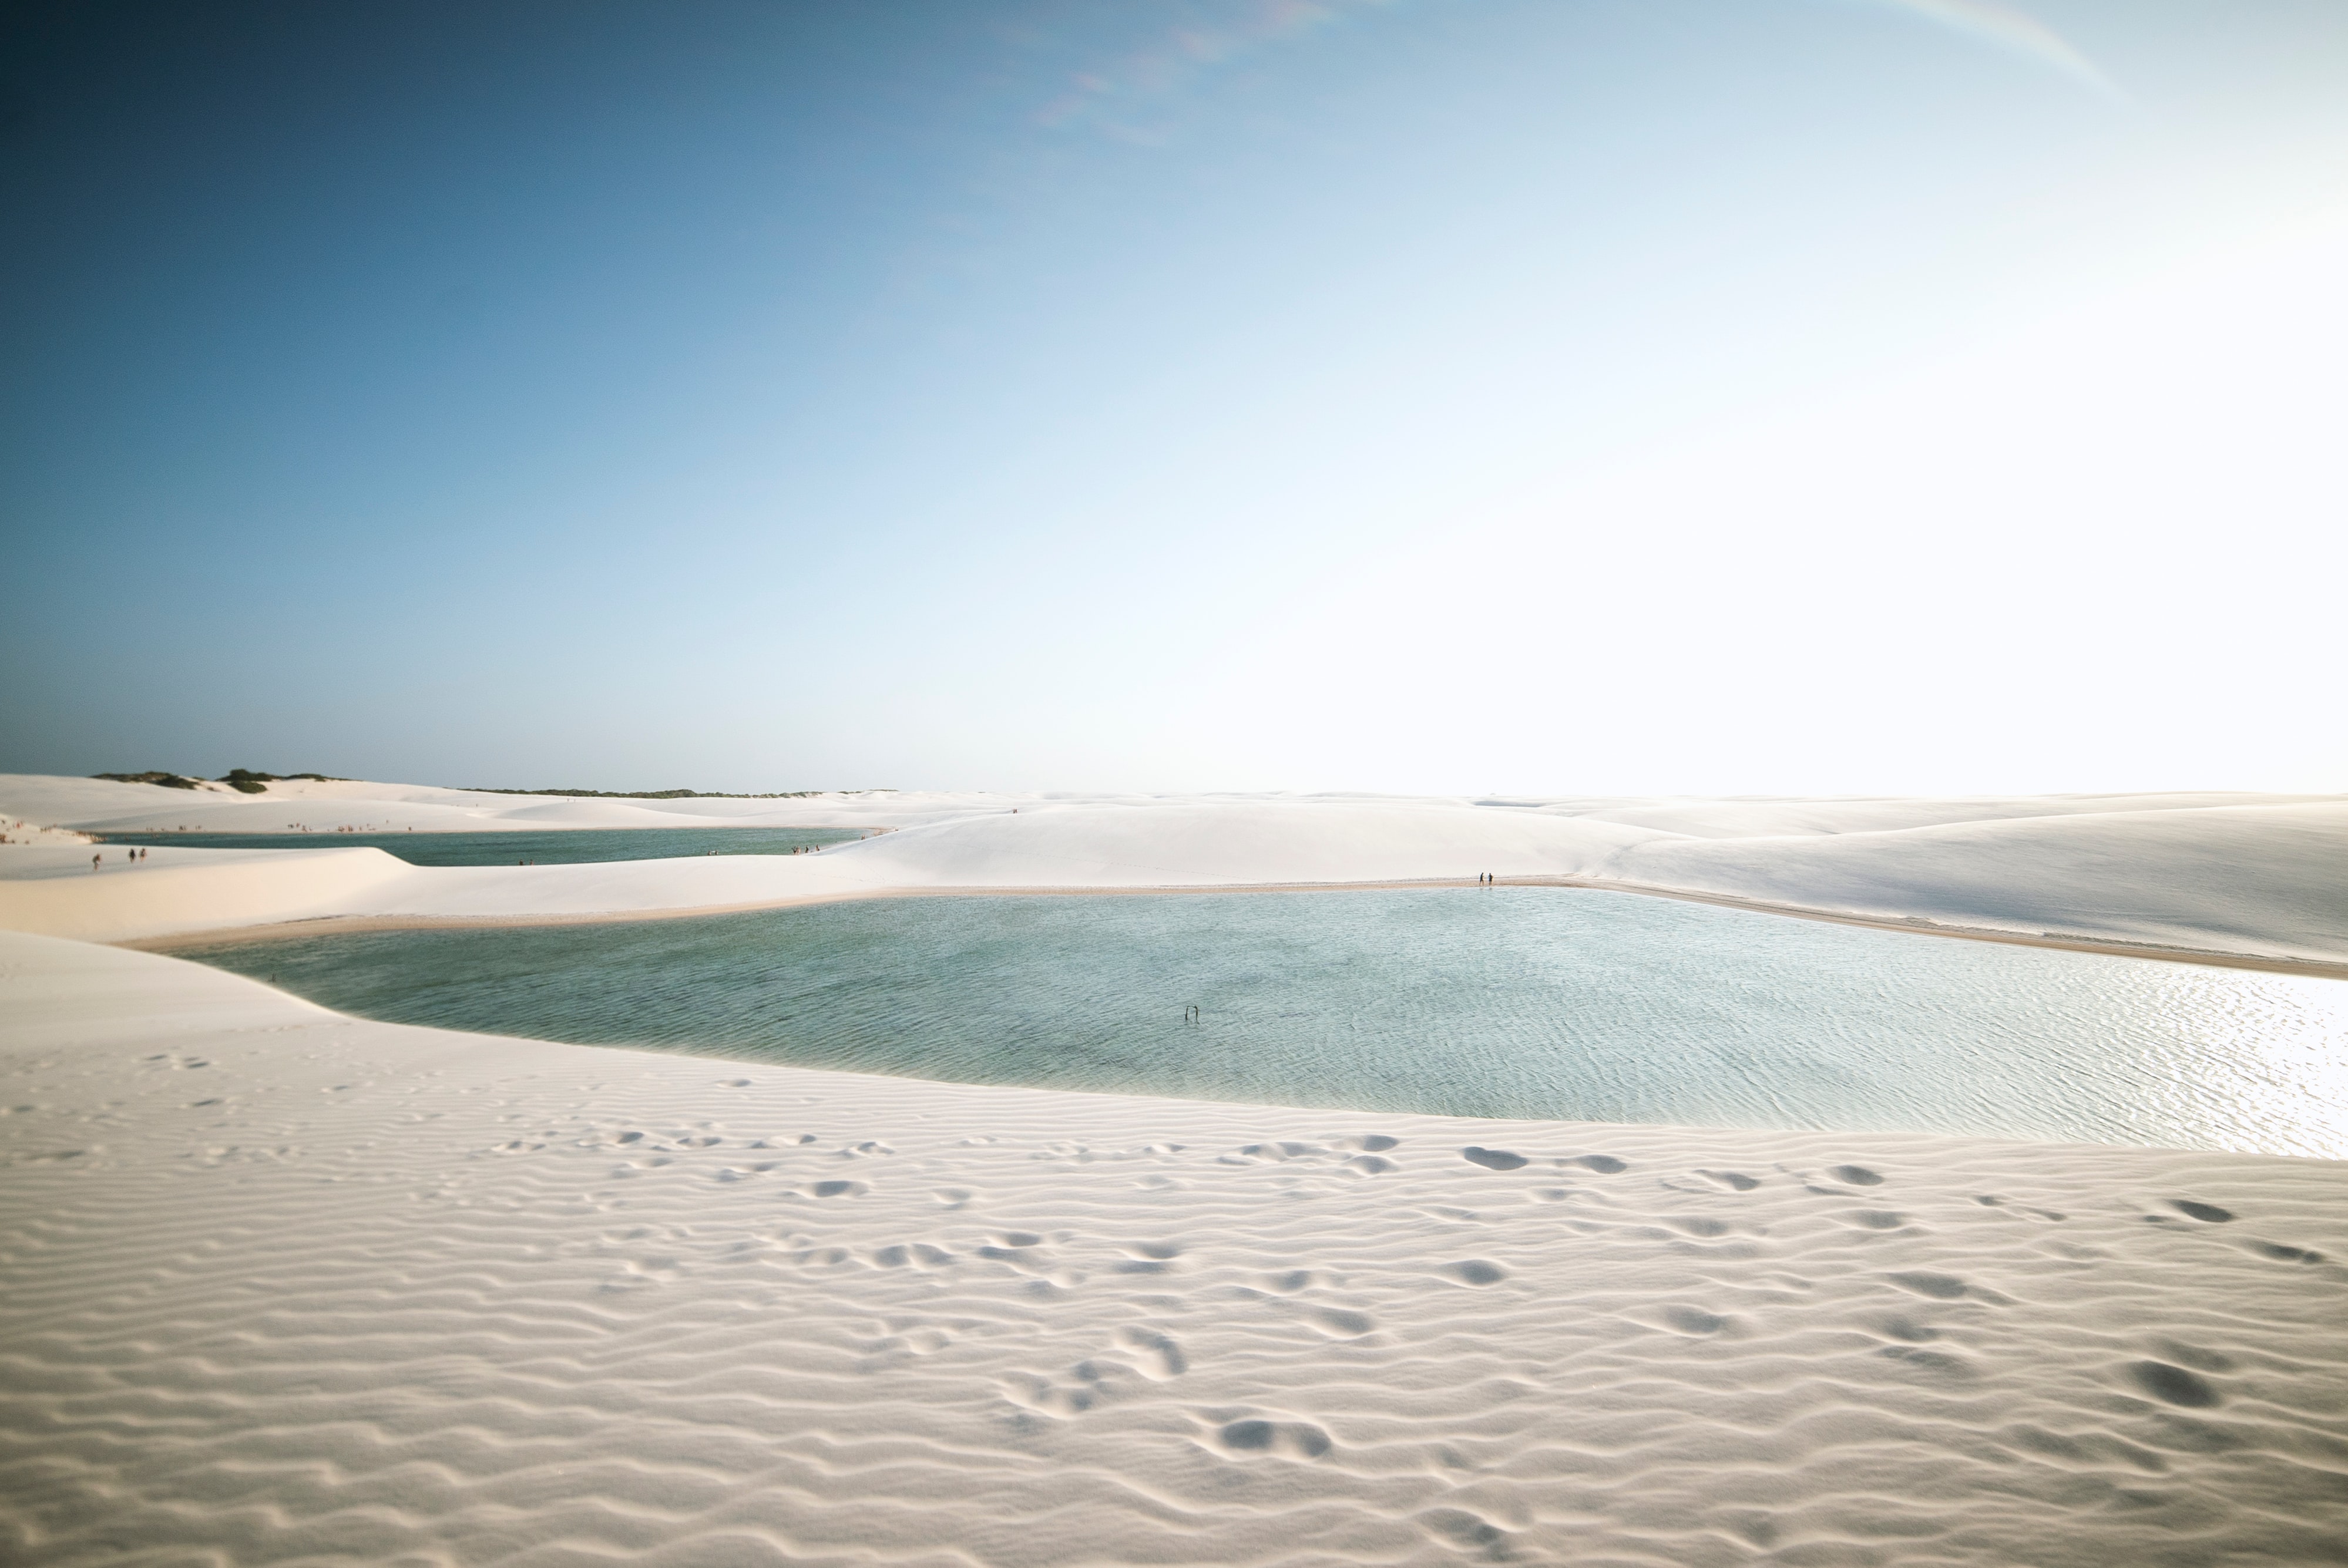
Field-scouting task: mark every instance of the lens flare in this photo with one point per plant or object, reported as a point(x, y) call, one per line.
point(2014, 32)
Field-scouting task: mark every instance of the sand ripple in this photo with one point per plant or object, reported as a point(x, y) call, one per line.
point(282, 1287)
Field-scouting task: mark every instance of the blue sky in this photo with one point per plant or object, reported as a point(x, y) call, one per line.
point(1702, 396)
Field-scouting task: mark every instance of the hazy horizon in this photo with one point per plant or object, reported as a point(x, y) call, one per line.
point(1688, 396)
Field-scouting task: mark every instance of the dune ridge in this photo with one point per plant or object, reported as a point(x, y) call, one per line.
point(289, 1287)
point(2211, 876)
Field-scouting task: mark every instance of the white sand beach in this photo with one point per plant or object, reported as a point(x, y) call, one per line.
point(289, 1287)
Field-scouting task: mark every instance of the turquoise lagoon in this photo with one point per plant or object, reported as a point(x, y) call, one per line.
point(505, 846)
point(1534, 1002)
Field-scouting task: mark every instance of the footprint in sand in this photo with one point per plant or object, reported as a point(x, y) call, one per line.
point(1736, 1180)
point(2211, 1213)
point(1248, 1152)
point(2172, 1385)
point(1149, 1257)
point(1160, 1355)
point(1475, 1271)
point(1020, 1249)
point(1945, 1288)
point(1461, 1528)
point(1693, 1320)
point(914, 1255)
point(1604, 1164)
point(1907, 1330)
point(1341, 1322)
point(1857, 1177)
point(1494, 1159)
point(2278, 1253)
point(1934, 1361)
point(1370, 1142)
point(1041, 1396)
point(1697, 1225)
point(1294, 1440)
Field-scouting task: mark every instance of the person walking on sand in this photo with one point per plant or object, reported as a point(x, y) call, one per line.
point(93, 863)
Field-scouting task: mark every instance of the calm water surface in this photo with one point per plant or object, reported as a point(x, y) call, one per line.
point(567, 846)
point(1542, 1002)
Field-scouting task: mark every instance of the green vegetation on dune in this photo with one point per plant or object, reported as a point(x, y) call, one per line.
point(675, 793)
point(241, 779)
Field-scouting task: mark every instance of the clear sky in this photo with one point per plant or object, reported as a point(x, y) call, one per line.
point(1537, 395)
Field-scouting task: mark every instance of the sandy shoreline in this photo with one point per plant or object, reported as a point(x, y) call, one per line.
point(1911, 924)
point(291, 1286)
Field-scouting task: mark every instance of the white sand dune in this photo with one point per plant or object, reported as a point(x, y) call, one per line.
point(2238, 879)
point(324, 805)
point(2231, 874)
point(284, 1286)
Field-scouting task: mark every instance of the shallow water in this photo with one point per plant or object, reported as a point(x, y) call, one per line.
point(1542, 1002)
point(569, 846)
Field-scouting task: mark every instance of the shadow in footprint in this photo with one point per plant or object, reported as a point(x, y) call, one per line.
point(1474, 1271)
point(2211, 1213)
point(1162, 1358)
point(1494, 1159)
point(2279, 1253)
point(1298, 1439)
point(1693, 1320)
point(1463, 1529)
point(2172, 1385)
point(1933, 1361)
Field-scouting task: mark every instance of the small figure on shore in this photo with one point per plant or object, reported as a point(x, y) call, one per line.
point(93, 863)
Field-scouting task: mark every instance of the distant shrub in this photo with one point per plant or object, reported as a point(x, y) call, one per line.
point(650, 793)
point(252, 782)
point(168, 781)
